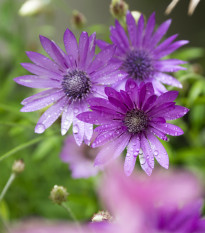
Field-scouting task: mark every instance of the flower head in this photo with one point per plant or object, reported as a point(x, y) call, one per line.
point(140, 53)
point(165, 202)
point(80, 158)
point(133, 118)
point(69, 78)
point(33, 7)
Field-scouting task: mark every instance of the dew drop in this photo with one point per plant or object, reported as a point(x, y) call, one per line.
point(75, 129)
point(76, 110)
point(40, 128)
point(156, 152)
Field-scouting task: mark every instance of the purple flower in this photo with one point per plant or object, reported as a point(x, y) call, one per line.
point(132, 118)
point(69, 78)
point(80, 159)
point(139, 53)
point(165, 202)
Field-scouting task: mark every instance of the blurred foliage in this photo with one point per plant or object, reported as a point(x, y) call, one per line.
point(29, 194)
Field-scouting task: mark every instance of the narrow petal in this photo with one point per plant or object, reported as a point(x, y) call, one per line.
point(41, 71)
point(78, 130)
point(88, 133)
point(96, 101)
point(149, 29)
point(164, 45)
point(176, 113)
point(102, 58)
point(168, 79)
point(166, 50)
point(168, 96)
point(149, 103)
point(39, 95)
point(102, 44)
point(140, 28)
point(36, 82)
point(83, 49)
point(161, 109)
point(122, 34)
point(107, 136)
point(106, 127)
point(161, 31)
point(170, 65)
point(118, 104)
point(158, 133)
point(147, 151)
point(91, 49)
point(43, 61)
point(159, 151)
point(95, 118)
point(131, 27)
point(71, 45)
point(50, 116)
point(67, 119)
point(112, 150)
point(114, 36)
point(54, 51)
point(132, 152)
point(168, 128)
point(144, 164)
point(42, 102)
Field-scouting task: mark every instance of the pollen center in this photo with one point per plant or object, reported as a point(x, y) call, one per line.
point(136, 121)
point(138, 65)
point(76, 85)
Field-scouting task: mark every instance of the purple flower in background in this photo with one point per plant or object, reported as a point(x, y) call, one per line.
point(80, 159)
point(165, 202)
point(140, 53)
point(133, 118)
point(69, 78)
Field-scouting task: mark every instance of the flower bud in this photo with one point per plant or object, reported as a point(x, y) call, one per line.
point(136, 15)
point(33, 7)
point(18, 166)
point(118, 8)
point(78, 19)
point(58, 194)
point(101, 216)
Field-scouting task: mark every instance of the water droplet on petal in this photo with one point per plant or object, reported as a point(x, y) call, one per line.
point(75, 129)
point(40, 128)
point(156, 153)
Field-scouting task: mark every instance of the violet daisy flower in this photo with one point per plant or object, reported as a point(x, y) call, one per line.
point(69, 78)
point(139, 53)
point(133, 118)
point(79, 158)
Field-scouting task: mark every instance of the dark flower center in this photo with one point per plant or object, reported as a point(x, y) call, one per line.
point(138, 65)
point(136, 121)
point(76, 85)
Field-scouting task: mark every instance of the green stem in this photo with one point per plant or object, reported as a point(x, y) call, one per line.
point(20, 147)
point(70, 212)
point(8, 184)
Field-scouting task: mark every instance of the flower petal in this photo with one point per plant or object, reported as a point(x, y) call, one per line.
point(147, 151)
point(159, 151)
point(71, 45)
point(112, 150)
point(36, 82)
point(67, 119)
point(42, 102)
point(132, 152)
point(132, 28)
point(50, 116)
point(176, 113)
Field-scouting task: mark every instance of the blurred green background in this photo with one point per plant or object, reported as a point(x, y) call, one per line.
point(29, 194)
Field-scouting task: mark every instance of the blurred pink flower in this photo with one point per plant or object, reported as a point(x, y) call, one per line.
point(165, 202)
point(80, 158)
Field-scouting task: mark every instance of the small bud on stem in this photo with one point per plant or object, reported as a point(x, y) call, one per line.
point(58, 194)
point(78, 19)
point(118, 8)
